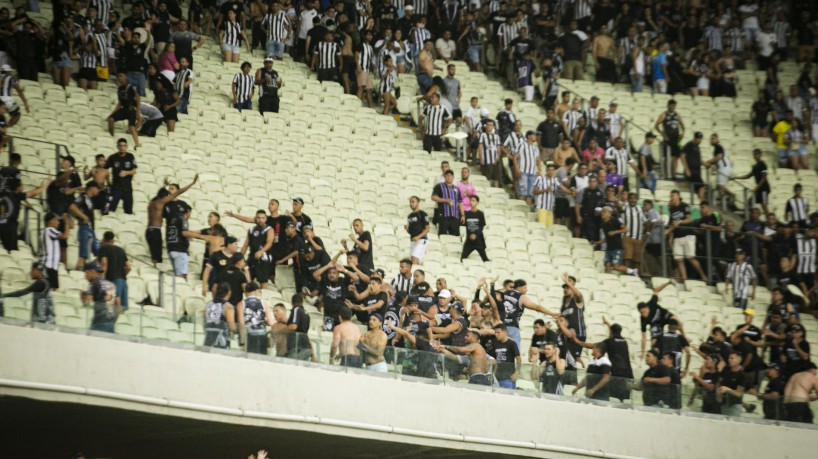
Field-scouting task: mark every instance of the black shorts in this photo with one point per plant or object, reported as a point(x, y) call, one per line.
point(352, 361)
point(262, 271)
point(170, 115)
point(740, 303)
point(561, 209)
point(125, 114)
point(9, 236)
point(492, 171)
point(53, 277)
point(327, 74)
point(761, 196)
point(480, 379)
point(89, 74)
point(675, 150)
point(761, 123)
point(257, 343)
point(349, 67)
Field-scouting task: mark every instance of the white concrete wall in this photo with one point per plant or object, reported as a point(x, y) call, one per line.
point(265, 393)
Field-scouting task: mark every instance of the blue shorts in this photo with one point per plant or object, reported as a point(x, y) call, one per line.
point(231, 48)
point(179, 260)
point(614, 257)
point(63, 62)
point(525, 186)
point(473, 53)
point(783, 155)
point(801, 151)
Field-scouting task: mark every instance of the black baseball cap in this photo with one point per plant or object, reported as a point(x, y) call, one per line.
point(378, 272)
point(230, 240)
point(459, 308)
point(299, 200)
point(291, 224)
point(92, 266)
point(68, 158)
point(520, 283)
point(698, 135)
point(38, 265)
point(423, 286)
point(308, 249)
point(650, 135)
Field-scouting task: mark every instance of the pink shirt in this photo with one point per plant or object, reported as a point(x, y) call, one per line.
point(466, 190)
point(167, 61)
point(586, 154)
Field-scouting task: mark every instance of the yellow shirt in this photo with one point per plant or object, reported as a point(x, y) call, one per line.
point(779, 130)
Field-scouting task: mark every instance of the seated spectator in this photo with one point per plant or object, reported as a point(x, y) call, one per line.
point(593, 156)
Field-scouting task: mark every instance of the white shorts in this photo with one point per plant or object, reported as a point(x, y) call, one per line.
point(11, 105)
point(231, 48)
point(660, 86)
point(528, 93)
point(417, 249)
point(723, 175)
point(380, 367)
point(703, 84)
point(684, 247)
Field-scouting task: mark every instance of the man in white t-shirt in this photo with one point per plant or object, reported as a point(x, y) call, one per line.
point(766, 45)
point(306, 25)
point(446, 47)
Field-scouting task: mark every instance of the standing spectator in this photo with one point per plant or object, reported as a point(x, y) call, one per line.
point(633, 240)
point(362, 241)
point(166, 100)
point(298, 343)
point(232, 35)
point(603, 52)
point(475, 223)
point(115, 267)
point(127, 107)
point(7, 83)
point(780, 131)
point(740, 275)
point(278, 29)
point(683, 239)
point(507, 355)
point(326, 59)
point(123, 169)
point(598, 375)
point(450, 206)
point(466, 188)
point(417, 225)
point(488, 152)
point(622, 158)
point(655, 383)
point(182, 83)
point(732, 384)
point(102, 296)
point(800, 390)
point(425, 66)
point(254, 316)
point(572, 43)
point(550, 132)
point(183, 39)
point(134, 55)
point(389, 75)
point(219, 318)
point(404, 281)
point(526, 160)
point(268, 82)
point(646, 164)
point(42, 302)
point(365, 64)
point(590, 204)
point(570, 119)
point(11, 200)
point(434, 122)
point(692, 164)
point(797, 209)
point(759, 173)
point(373, 343)
point(661, 76)
point(260, 243)
point(243, 88)
point(670, 125)
point(545, 192)
point(613, 229)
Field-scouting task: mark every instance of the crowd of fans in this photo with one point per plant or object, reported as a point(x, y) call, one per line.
point(573, 170)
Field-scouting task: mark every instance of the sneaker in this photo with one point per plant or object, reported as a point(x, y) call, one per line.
point(635, 273)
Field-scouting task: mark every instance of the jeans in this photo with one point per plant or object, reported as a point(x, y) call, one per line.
point(179, 260)
point(637, 82)
point(122, 292)
point(127, 200)
point(275, 48)
point(514, 335)
point(182, 107)
point(525, 186)
point(649, 182)
point(137, 79)
point(103, 327)
point(424, 82)
point(87, 240)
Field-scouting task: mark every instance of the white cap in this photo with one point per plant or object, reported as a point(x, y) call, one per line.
point(6, 68)
point(484, 112)
point(409, 8)
point(445, 293)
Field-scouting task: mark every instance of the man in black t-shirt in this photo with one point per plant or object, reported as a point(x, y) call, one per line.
point(115, 266)
point(613, 230)
point(42, 303)
point(732, 384)
point(683, 238)
point(759, 173)
point(362, 244)
point(123, 168)
point(541, 336)
point(310, 261)
point(475, 240)
point(236, 275)
point(10, 201)
point(372, 300)
point(692, 163)
point(417, 225)
point(654, 316)
point(507, 355)
point(298, 343)
point(655, 383)
point(332, 291)
point(550, 132)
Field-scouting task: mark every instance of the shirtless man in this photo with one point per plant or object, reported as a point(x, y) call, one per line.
point(347, 57)
point(278, 331)
point(426, 66)
point(102, 177)
point(801, 389)
point(156, 207)
point(345, 338)
point(603, 52)
point(565, 104)
point(373, 343)
point(564, 151)
point(478, 363)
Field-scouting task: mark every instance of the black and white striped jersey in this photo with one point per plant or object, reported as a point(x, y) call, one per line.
point(88, 58)
point(418, 36)
point(244, 84)
point(591, 115)
point(571, 120)
point(550, 185)
point(403, 284)
point(735, 38)
point(614, 124)
point(781, 31)
point(807, 250)
point(102, 44)
point(582, 8)
point(388, 81)
point(276, 25)
point(327, 52)
point(742, 276)
point(713, 37)
point(51, 246)
point(182, 76)
point(797, 209)
point(507, 32)
point(620, 157)
point(7, 83)
point(103, 8)
point(434, 118)
point(528, 153)
point(366, 57)
point(633, 217)
point(513, 141)
point(232, 33)
point(490, 144)
point(421, 7)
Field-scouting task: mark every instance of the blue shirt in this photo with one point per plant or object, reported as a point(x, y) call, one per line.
point(658, 61)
